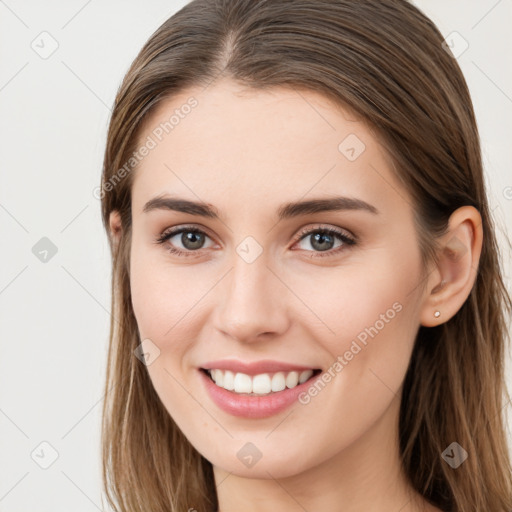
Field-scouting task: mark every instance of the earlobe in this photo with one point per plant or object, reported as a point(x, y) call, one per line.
point(450, 285)
point(115, 226)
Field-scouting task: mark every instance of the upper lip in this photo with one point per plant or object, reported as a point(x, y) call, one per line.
point(255, 367)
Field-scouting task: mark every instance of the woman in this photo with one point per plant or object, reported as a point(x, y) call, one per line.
point(308, 307)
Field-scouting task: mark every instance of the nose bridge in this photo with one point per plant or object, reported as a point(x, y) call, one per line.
point(252, 298)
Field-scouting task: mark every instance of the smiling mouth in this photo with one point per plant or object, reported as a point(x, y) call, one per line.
point(259, 385)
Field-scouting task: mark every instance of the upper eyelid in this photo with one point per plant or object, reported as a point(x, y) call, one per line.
point(326, 227)
point(176, 230)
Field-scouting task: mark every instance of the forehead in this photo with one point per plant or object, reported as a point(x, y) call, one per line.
point(230, 144)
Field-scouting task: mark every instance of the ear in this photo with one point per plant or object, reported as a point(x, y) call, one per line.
point(115, 226)
point(450, 284)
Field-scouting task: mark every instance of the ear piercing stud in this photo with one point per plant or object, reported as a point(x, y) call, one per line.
point(437, 314)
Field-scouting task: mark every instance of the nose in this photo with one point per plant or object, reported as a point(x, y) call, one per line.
point(252, 302)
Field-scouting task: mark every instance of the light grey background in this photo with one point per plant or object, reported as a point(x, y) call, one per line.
point(55, 315)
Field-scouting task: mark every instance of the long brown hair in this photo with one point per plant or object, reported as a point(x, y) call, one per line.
point(384, 60)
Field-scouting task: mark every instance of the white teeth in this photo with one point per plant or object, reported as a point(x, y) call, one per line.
point(292, 379)
point(305, 375)
point(229, 380)
point(261, 384)
point(278, 381)
point(243, 383)
point(218, 377)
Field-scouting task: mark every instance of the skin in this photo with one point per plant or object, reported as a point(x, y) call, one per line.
point(246, 152)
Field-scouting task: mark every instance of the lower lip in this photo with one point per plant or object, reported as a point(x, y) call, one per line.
point(254, 406)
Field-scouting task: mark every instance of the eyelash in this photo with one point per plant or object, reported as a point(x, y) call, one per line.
point(347, 240)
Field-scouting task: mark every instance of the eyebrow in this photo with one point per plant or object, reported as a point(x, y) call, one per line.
point(285, 211)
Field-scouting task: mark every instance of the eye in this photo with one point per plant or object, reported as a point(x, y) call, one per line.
point(192, 239)
point(322, 240)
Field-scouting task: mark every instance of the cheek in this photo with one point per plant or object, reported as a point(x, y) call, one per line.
point(164, 297)
point(348, 301)
point(368, 315)
point(373, 322)
point(166, 306)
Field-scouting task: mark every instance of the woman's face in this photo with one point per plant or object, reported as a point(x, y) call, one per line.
point(263, 282)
